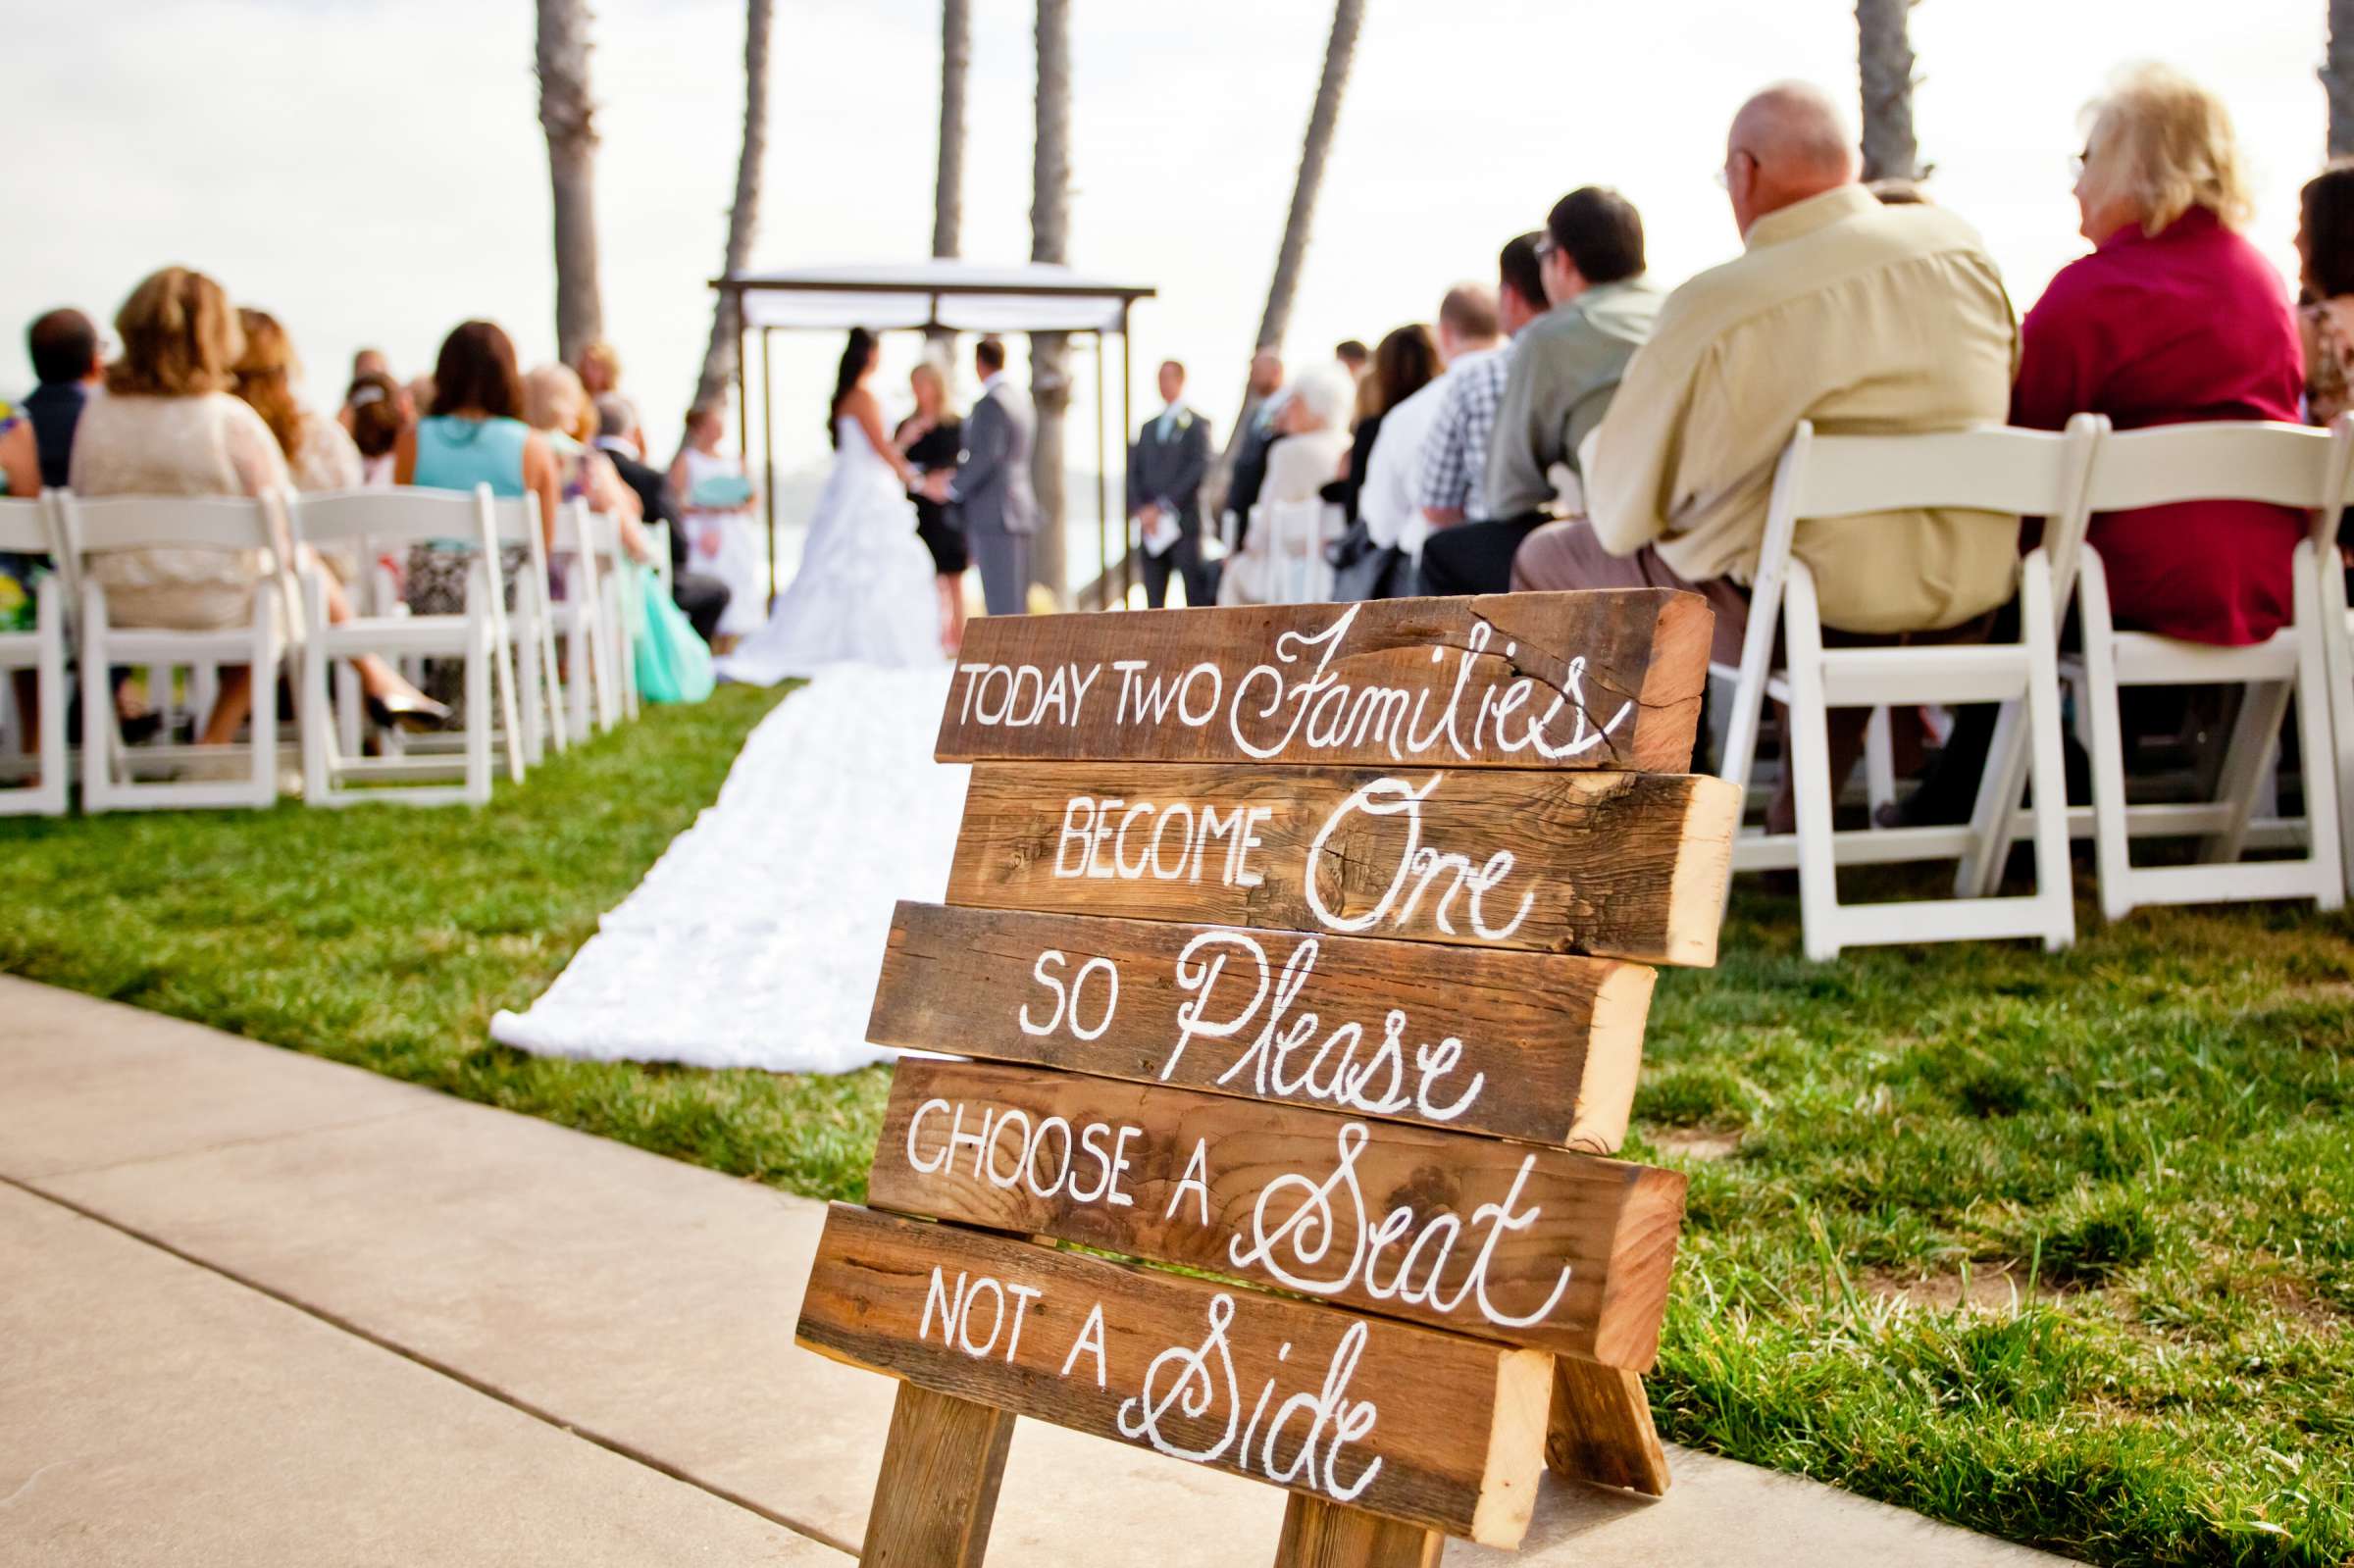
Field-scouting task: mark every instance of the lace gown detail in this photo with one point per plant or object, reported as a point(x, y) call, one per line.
point(863, 594)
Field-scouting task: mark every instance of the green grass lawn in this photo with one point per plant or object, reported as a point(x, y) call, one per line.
point(2056, 1247)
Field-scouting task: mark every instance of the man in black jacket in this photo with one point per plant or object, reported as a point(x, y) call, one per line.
point(1165, 469)
point(701, 597)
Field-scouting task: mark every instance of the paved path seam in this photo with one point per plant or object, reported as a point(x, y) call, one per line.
point(249, 1141)
point(431, 1363)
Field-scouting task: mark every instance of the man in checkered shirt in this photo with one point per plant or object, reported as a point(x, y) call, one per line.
point(1450, 480)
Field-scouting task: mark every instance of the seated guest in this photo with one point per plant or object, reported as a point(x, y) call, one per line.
point(1262, 402)
point(2172, 318)
point(1451, 482)
point(599, 368)
point(1405, 361)
point(1352, 355)
point(1165, 469)
point(1314, 423)
point(2326, 319)
point(473, 434)
point(168, 426)
point(1467, 330)
point(318, 452)
point(1857, 316)
point(377, 412)
point(38, 450)
point(701, 597)
point(557, 406)
point(1564, 367)
point(370, 362)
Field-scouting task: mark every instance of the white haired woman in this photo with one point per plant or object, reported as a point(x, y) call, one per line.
point(2173, 317)
point(1310, 450)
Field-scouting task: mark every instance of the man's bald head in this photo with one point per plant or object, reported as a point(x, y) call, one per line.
point(1789, 142)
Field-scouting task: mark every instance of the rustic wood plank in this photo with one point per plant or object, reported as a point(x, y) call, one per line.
point(1435, 1429)
point(1601, 680)
point(1600, 1429)
point(1616, 865)
point(1319, 1535)
point(938, 1491)
point(1515, 1242)
point(1539, 1047)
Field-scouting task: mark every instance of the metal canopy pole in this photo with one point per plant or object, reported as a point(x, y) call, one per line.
point(1127, 424)
point(1103, 482)
point(768, 464)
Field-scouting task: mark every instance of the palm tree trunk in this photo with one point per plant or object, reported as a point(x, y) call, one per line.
point(744, 218)
point(1049, 241)
point(948, 189)
point(567, 114)
point(1884, 58)
point(1322, 119)
point(2338, 77)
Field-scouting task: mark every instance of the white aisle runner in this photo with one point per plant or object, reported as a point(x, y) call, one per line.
point(756, 939)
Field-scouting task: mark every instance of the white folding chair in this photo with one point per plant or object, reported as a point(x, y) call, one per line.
point(109, 773)
point(365, 523)
point(1296, 571)
point(2337, 652)
point(27, 528)
point(586, 618)
point(2287, 464)
point(2007, 474)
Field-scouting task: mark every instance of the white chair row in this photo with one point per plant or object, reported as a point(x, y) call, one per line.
point(289, 631)
point(2066, 480)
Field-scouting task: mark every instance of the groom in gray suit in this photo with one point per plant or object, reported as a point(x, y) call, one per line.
point(991, 484)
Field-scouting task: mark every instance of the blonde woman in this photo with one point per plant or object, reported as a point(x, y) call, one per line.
point(931, 438)
point(168, 426)
point(320, 453)
point(2172, 318)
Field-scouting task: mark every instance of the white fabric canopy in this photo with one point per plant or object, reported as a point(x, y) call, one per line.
point(964, 296)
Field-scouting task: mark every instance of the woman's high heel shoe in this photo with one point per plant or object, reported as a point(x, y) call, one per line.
point(411, 711)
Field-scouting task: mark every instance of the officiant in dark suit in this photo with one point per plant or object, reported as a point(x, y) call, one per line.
point(1165, 469)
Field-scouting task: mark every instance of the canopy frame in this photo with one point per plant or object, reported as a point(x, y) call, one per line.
point(945, 280)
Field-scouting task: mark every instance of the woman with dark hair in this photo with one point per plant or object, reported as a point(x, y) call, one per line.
point(1404, 362)
point(473, 435)
point(865, 592)
point(378, 412)
point(2325, 317)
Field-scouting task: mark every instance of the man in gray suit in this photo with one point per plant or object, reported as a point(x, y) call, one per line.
point(1165, 469)
point(991, 484)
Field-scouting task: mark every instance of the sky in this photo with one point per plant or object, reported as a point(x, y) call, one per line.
point(374, 172)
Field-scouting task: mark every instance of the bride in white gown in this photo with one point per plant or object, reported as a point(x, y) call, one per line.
point(865, 592)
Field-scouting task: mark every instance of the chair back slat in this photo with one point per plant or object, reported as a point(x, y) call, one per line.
point(383, 519)
point(24, 525)
point(2236, 460)
point(167, 521)
point(1997, 469)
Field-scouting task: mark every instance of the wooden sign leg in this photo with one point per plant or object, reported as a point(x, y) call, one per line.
point(938, 1487)
point(1323, 1534)
point(1601, 1428)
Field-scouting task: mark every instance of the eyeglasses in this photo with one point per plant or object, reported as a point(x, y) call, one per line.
point(2076, 162)
point(1546, 246)
point(1724, 176)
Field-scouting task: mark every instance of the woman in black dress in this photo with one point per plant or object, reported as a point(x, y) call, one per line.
point(932, 438)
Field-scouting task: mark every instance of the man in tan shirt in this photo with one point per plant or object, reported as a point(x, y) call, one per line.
point(1861, 318)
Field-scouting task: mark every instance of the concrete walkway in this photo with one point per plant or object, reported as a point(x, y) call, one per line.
point(258, 1308)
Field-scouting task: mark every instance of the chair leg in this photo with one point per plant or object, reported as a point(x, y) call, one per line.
point(100, 739)
point(2053, 882)
point(262, 726)
point(2250, 754)
point(320, 744)
point(2338, 671)
point(2112, 853)
point(2313, 739)
point(1991, 819)
point(1880, 761)
point(478, 719)
point(50, 682)
point(1810, 762)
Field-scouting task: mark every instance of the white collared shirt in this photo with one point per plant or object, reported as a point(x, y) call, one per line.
point(1386, 500)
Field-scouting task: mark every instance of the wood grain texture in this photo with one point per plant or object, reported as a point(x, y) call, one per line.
point(938, 1491)
point(1531, 1246)
point(1601, 680)
point(1323, 1534)
point(1600, 1430)
point(1547, 1045)
point(1441, 1431)
point(1614, 865)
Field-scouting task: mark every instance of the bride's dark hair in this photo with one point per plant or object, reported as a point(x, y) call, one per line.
point(855, 356)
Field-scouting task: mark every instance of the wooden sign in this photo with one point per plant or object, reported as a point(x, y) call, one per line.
point(1535, 1246)
point(1433, 1428)
point(1622, 864)
point(1289, 941)
point(1513, 681)
point(1530, 1045)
